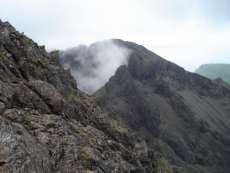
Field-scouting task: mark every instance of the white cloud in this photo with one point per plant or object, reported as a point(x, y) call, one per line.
point(93, 66)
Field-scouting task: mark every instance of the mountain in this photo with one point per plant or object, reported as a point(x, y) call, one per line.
point(47, 125)
point(152, 116)
point(181, 115)
point(214, 71)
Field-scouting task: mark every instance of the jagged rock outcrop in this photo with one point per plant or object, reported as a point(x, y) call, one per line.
point(187, 114)
point(48, 126)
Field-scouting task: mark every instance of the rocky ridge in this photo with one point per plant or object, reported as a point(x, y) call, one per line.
point(49, 126)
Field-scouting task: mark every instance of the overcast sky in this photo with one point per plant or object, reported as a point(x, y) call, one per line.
point(187, 32)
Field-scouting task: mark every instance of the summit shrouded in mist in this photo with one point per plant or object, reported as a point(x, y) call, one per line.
point(158, 100)
point(93, 65)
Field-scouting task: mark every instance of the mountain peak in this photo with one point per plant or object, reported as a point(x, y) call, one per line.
point(159, 99)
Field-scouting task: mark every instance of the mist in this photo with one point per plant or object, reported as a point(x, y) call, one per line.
point(93, 65)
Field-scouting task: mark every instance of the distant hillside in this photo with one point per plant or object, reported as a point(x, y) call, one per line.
point(214, 71)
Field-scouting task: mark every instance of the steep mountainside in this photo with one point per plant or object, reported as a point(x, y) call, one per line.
point(48, 126)
point(214, 71)
point(187, 114)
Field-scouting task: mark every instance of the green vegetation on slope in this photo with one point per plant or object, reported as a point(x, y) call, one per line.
point(214, 71)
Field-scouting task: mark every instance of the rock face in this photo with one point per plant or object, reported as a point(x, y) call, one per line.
point(214, 71)
point(48, 126)
point(187, 114)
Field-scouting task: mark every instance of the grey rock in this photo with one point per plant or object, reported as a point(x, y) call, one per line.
point(2, 107)
point(46, 124)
